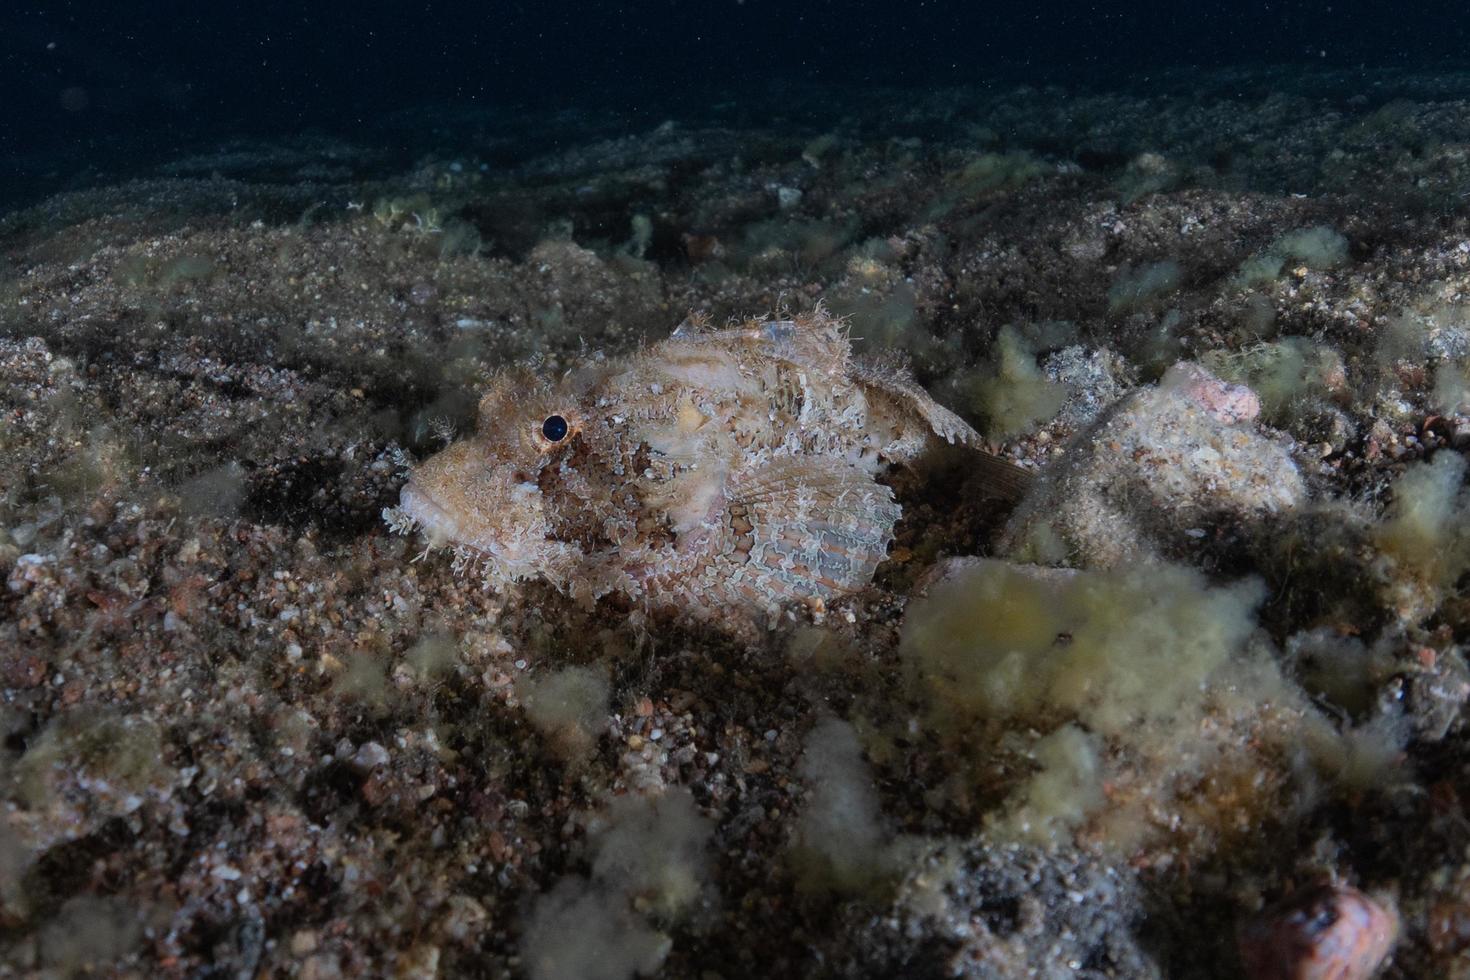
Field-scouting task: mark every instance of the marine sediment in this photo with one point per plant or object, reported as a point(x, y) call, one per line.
point(1208, 673)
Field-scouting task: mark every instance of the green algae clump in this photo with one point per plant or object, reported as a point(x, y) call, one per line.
point(1113, 650)
point(1424, 534)
point(1143, 681)
point(569, 707)
point(1014, 395)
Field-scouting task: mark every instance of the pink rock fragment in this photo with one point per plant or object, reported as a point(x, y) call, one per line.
point(1228, 403)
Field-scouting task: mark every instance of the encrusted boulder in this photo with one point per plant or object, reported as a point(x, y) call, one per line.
point(1163, 468)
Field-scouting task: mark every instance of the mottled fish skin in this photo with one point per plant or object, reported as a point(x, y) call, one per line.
point(717, 473)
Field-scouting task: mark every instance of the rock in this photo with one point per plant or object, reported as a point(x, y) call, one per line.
point(1017, 911)
point(1158, 472)
point(1091, 378)
point(369, 757)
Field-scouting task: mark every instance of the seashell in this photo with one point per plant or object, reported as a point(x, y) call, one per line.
point(1325, 932)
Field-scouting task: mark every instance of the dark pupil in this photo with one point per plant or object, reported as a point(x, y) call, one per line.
point(554, 428)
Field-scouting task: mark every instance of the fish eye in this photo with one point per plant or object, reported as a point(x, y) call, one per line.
point(554, 429)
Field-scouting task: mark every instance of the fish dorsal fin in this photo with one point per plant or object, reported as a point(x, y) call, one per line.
point(814, 341)
point(696, 324)
point(1004, 479)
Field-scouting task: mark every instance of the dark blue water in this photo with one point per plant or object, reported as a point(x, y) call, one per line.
point(92, 90)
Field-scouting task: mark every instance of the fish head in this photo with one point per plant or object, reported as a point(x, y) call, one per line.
point(483, 495)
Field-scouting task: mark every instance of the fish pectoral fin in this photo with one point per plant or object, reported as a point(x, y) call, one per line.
point(807, 528)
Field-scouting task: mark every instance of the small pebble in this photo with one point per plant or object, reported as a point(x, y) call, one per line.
point(369, 757)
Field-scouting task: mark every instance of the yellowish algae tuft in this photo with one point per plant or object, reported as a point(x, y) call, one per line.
point(1143, 683)
point(1423, 536)
point(1451, 393)
point(1113, 650)
point(100, 462)
point(649, 868)
point(1012, 393)
point(1286, 374)
point(1148, 173)
point(119, 754)
point(574, 933)
point(1341, 670)
point(1318, 248)
point(15, 858)
point(431, 657)
point(569, 707)
point(88, 931)
point(987, 175)
point(841, 844)
point(652, 848)
point(1358, 757)
point(364, 677)
point(1065, 791)
point(217, 492)
point(1340, 566)
point(1135, 289)
point(884, 318)
point(1427, 508)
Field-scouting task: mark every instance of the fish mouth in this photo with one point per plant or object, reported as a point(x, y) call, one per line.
point(426, 513)
point(438, 524)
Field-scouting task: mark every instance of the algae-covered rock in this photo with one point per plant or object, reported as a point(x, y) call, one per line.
point(1160, 470)
point(1119, 696)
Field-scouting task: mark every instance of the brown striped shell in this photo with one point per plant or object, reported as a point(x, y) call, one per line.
point(1325, 932)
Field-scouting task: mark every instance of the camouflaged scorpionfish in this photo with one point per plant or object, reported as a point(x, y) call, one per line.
point(717, 473)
